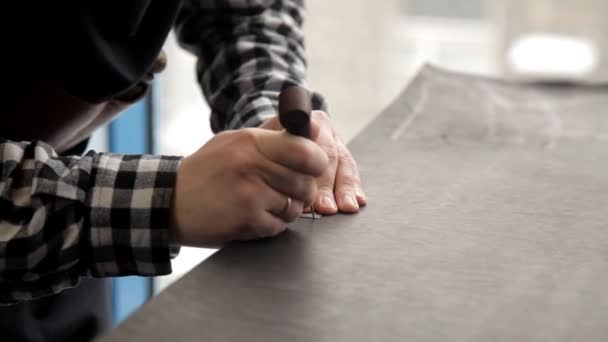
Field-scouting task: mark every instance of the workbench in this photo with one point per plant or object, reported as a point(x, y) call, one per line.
point(487, 221)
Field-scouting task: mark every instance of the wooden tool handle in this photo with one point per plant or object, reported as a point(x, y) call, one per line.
point(295, 108)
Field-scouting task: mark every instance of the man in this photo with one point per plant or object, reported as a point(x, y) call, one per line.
point(71, 68)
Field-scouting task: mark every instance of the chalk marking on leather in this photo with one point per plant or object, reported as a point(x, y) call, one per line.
point(416, 111)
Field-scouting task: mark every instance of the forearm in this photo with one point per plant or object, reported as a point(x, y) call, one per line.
point(248, 52)
point(62, 218)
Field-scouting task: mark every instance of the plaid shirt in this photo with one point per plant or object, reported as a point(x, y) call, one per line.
point(103, 215)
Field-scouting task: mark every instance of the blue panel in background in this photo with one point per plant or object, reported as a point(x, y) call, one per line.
point(128, 294)
point(130, 133)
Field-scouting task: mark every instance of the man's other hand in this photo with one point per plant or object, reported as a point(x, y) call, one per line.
point(339, 187)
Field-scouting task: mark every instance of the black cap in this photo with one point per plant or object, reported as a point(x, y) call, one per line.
point(94, 49)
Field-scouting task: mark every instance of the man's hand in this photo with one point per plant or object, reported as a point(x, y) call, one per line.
point(339, 187)
point(244, 184)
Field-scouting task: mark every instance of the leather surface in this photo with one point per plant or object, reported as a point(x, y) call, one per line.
point(487, 222)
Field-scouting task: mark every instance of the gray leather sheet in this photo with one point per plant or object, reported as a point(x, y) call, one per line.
point(487, 222)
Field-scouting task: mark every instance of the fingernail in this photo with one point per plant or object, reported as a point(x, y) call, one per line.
point(351, 201)
point(327, 202)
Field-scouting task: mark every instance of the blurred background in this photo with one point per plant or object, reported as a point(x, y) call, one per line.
point(361, 55)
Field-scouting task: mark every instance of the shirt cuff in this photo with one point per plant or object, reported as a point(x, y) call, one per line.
point(129, 214)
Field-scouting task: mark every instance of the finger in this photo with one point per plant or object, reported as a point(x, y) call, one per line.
point(282, 206)
point(296, 153)
point(351, 164)
point(266, 225)
point(361, 197)
point(325, 202)
point(298, 186)
point(348, 191)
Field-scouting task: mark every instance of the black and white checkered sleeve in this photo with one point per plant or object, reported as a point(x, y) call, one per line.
point(62, 218)
point(248, 51)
